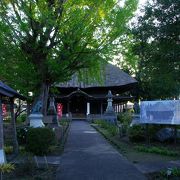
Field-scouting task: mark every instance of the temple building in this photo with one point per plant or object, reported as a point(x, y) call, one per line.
point(80, 99)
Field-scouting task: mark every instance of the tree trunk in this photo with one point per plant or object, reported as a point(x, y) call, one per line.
point(28, 109)
point(13, 124)
point(43, 98)
point(45, 93)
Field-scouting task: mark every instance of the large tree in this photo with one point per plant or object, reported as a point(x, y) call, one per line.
point(157, 44)
point(46, 41)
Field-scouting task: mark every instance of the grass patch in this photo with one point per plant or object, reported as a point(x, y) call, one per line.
point(174, 174)
point(156, 150)
point(127, 148)
point(111, 128)
point(37, 173)
point(117, 144)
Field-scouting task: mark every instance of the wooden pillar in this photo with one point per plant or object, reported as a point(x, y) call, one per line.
point(28, 109)
point(13, 124)
point(88, 108)
point(2, 154)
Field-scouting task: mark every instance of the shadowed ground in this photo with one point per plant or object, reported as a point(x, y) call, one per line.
point(88, 156)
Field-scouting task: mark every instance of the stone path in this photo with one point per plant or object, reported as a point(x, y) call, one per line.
point(88, 156)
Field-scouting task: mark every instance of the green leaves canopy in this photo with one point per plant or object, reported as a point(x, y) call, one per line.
point(46, 41)
point(157, 45)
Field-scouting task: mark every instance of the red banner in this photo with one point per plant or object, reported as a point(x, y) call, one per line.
point(59, 109)
point(4, 109)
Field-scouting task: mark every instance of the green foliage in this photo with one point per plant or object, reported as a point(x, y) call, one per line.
point(129, 64)
point(125, 118)
point(176, 172)
point(64, 122)
point(39, 140)
point(156, 150)
point(48, 41)
point(6, 168)
point(156, 44)
point(111, 128)
point(22, 135)
point(136, 133)
point(163, 175)
point(21, 118)
point(8, 149)
point(153, 129)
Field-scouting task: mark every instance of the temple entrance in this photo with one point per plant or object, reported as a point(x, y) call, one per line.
point(78, 106)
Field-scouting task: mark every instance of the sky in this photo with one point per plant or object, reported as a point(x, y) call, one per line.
point(141, 3)
point(137, 13)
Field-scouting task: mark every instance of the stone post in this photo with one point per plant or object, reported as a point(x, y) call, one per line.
point(88, 108)
point(52, 112)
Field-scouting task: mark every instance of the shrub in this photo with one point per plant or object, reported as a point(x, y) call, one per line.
point(22, 135)
point(8, 149)
point(136, 133)
point(21, 118)
point(101, 123)
point(176, 172)
point(111, 128)
point(6, 168)
point(39, 140)
point(64, 122)
point(169, 173)
point(125, 118)
point(153, 129)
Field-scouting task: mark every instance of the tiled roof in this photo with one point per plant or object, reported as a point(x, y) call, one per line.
point(114, 76)
point(5, 90)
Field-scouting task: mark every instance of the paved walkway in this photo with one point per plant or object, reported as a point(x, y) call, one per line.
point(88, 156)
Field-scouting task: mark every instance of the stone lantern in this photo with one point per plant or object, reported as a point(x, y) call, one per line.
point(110, 114)
point(109, 108)
point(52, 111)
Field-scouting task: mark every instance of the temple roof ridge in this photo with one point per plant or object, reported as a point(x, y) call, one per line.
point(114, 76)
